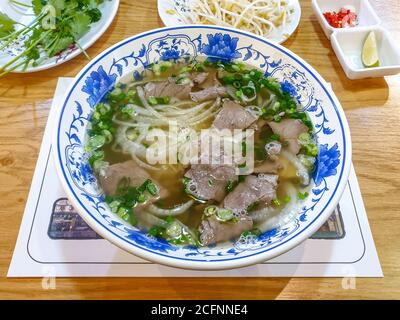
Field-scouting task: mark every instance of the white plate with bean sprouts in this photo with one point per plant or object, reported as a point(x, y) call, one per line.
point(275, 20)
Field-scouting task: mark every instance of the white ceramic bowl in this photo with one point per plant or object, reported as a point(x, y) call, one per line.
point(348, 44)
point(132, 55)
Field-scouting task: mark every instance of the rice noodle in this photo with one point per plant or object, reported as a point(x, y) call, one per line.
point(182, 208)
point(261, 17)
point(149, 219)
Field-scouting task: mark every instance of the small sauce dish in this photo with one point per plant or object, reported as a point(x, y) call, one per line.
point(348, 44)
point(366, 15)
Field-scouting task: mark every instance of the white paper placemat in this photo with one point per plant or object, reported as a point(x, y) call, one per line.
point(54, 241)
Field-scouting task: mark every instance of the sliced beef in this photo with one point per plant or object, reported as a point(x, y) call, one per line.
point(253, 189)
point(198, 77)
point(268, 166)
point(210, 93)
point(167, 88)
point(233, 116)
point(212, 231)
point(112, 175)
point(208, 182)
point(211, 80)
point(289, 130)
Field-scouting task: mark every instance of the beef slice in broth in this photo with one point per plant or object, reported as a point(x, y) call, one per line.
point(212, 231)
point(233, 116)
point(210, 93)
point(111, 176)
point(167, 88)
point(254, 188)
point(208, 182)
point(289, 130)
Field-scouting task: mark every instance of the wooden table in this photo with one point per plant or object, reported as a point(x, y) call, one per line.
point(373, 110)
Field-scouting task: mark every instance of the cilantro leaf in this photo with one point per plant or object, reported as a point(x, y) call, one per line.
point(38, 6)
point(60, 45)
point(6, 25)
point(59, 5)
point(80, 25)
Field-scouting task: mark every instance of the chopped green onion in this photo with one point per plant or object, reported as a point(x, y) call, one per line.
point(302, 196)
point(114, 205)
point(95, 142)
point(97, 155)
point(107, 135)
point(230, 186)
point(237, 84)
point(224, 214)
point(152, 188)
point(308, 144)
point(174, 230)
point(287, 199)
point(141, 198)
point(98, 164)
point(276, 202)
point(184, 81)
point(128, 109)
point(210, 210)
point(152, 100)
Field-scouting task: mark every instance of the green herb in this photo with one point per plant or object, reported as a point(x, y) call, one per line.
point(7, 25)
point(307, 161)
point(158, 100)
point(156, 231)
point(127, 197)
point(224, 214)
point(254, 232)
point(129, 109)
point(97, 155)
point(230, 186)
point(276, 202)
point(72, 20)
point(302, 196)
point(161, 67)
point(152, 100)
point(95, 142)
point(309, 147)
point(210, 210)
point(287, 199)
point(184, 81)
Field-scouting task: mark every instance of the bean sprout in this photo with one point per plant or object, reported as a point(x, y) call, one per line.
point(261, 17)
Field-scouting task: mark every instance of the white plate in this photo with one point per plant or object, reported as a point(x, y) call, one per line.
point(24, 15)
point(281, 35)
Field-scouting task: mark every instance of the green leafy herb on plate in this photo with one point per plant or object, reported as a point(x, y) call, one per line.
point(58, 25)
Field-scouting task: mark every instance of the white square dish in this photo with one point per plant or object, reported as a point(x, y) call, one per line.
point(348, 44)
point(366, 15)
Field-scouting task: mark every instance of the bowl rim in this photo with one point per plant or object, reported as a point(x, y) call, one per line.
point(231, 263)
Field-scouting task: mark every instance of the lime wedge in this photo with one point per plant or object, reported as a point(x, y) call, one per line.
point(370, 57)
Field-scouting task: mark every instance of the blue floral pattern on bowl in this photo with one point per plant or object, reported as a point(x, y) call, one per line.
point(221, 47)
point(132, 57)
point(97, 84)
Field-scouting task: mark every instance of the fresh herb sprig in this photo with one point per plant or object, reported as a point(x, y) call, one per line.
point(47, 35)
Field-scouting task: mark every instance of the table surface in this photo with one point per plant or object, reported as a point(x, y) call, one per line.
point(370, 106)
